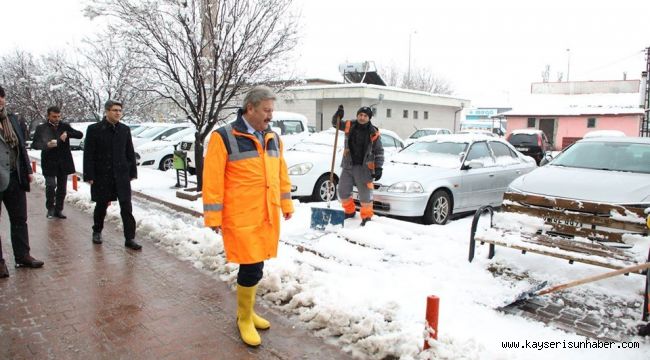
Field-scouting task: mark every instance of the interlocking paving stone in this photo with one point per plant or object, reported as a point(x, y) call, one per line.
point(107, 302)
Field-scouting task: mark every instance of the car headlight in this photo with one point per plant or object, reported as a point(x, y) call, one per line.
point(300, 169)
point(406, 187)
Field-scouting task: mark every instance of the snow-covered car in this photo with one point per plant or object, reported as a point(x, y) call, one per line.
point(157, 131)
point(291, 126)
point(310, 161)
point(613, 170)
point(603, 133)
point(75, 144)
point(438, 176)
point(425, 132)
point(159, 154)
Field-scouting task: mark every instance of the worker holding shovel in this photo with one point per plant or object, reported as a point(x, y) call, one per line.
point(363, 157)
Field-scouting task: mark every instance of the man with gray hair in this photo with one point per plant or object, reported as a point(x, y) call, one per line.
point(245, 187)
point(109, 167)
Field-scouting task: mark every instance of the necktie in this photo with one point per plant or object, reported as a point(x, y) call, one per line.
point(260, 137)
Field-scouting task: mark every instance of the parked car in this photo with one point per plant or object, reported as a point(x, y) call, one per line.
point(426, 132)
point(438, 176)
point(531, 142)
point(612, 170)
point(157, 131)
point(310, 161)
point(603, 133)
point(75, 144)
point(159, 154)
point(291, 126)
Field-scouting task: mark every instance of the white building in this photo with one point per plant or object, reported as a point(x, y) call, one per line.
point(396, 109)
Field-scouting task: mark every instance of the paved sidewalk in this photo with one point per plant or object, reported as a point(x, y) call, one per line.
point(108, 302)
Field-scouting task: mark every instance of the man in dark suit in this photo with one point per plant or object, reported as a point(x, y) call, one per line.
point(15, 176)
point(109, 167)
point(53, 139)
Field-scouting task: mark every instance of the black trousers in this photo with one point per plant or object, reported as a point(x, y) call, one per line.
point(55, 189)
point(126, 211)
point(15, 202)
point(250, 274)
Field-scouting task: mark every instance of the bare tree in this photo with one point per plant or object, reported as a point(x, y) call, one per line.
point(104, 69)
point(419, 79)
point(28, 85)
point(204, 53)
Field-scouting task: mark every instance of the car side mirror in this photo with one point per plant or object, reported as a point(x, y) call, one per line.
point(473, 164)
point(546, 159)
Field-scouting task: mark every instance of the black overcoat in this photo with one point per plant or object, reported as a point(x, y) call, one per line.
point(57, 160)
point(109, 161)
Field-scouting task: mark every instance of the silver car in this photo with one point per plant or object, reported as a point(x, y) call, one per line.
point(438, 176)
point(614, 170)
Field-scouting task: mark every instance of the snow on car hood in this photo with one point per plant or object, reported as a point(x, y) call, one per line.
point(586, 184)
point(315, 155)
point(395, 172)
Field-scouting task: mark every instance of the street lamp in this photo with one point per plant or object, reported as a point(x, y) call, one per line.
point(408, 74)
point(568, 64)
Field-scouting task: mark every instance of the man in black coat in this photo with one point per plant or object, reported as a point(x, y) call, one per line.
point(53, 139)
point(109, 167)
point(15, 176)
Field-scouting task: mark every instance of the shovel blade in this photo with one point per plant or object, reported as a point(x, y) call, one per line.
point(321, 218)
point(530, 293)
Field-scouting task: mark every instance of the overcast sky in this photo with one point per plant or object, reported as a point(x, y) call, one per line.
point(490, 51)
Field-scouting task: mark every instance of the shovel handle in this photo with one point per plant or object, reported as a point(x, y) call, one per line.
point(606, 275)
point(336, 140)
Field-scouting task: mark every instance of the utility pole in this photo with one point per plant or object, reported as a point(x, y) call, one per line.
point(408, 74)
point(645, 124)
point(568, 64)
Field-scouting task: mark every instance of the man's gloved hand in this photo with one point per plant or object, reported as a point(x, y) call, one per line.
point(378, 172)
point(339, 113)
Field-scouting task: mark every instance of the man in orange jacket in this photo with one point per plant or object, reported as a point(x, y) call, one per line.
point(245, 186)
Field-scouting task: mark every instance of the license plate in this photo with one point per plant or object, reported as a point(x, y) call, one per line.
point(186, 146)
point(564, 222)
point(522, 149)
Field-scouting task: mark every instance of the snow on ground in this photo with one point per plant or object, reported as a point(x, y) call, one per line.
point(365, 288)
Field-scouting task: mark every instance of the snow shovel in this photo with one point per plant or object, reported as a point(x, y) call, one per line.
point(541, 289)
point(321, 217)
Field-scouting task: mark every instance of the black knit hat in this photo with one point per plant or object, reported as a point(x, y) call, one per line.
point(366, 110)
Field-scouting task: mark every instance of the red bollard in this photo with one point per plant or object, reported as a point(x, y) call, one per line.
point(433, 303)
point(34, 166)
point(74, 182)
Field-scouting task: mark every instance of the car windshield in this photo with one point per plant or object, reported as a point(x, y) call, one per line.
point(139, 129)
point(421, 133)
point(612, 156)
point(433, 153)
point(180, 134)
point(523, 139)
point(151, 132)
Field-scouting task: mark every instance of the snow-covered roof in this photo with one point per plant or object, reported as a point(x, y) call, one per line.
point(568, 105)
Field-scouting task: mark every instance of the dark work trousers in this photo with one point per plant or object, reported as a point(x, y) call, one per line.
point(16, 204)
point(250, 274)
point(126, 211)
point(55, 189)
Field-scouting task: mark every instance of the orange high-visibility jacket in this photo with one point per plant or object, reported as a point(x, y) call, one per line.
point(245, 186)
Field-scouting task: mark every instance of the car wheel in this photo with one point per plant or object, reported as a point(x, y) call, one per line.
point(438, 209)
point(166, 163)
point(324, 189)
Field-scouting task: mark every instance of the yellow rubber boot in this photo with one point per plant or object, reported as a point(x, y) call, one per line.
point(245, 302)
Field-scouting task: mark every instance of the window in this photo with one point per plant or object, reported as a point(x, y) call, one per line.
point(415, 114)
point(387, 141)
point(426, 115)
point(591, 122)
point(531, 122)
point(288, 127)
point(405, 114)
point(479, 150)
point(389, 113)
point(500, 149)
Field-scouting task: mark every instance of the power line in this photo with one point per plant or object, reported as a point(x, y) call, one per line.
point(636, 53)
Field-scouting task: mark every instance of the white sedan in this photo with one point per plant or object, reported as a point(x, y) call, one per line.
point(310, 161)
point(159, 154)
point(438, 176)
